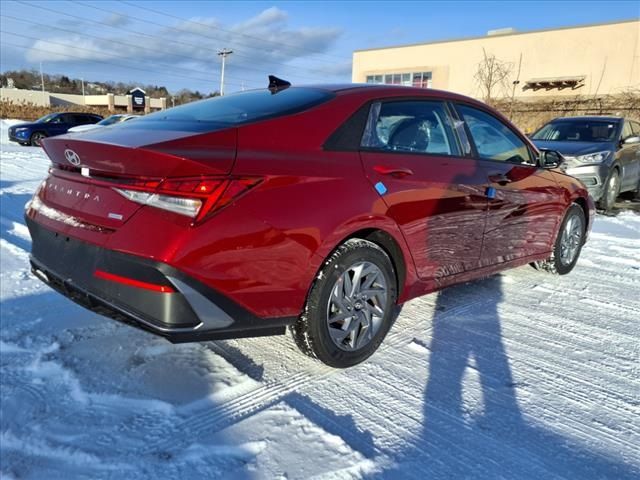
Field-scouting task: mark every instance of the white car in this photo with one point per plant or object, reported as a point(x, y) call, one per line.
point(103, 123)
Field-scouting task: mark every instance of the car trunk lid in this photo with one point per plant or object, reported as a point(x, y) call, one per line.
point(144, 152)
point(87, 169)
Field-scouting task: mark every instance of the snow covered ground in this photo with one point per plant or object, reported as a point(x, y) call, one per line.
point(523, 375)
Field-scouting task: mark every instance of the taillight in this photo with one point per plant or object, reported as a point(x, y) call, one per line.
point(193, 197)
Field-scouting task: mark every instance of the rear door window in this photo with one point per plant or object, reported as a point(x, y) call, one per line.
point(69, 118)
point(410, 126)
point(493, 139)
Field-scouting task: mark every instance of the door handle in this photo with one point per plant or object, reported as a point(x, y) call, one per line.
point(397, 172)
point(500, 179)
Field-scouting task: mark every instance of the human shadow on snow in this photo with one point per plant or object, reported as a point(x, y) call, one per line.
point(485, 437)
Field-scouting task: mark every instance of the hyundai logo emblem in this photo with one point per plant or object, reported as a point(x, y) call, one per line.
point(72, 157)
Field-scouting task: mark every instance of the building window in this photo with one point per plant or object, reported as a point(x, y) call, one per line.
point(422, 80)
point(417, 79)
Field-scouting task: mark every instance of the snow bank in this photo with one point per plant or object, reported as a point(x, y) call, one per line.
point(4, 129)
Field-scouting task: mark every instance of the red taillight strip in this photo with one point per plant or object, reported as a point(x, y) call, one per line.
point(131, 282)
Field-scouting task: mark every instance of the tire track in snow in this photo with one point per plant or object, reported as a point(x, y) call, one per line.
point(581, 431)
point(579, 400)
point(272, 392)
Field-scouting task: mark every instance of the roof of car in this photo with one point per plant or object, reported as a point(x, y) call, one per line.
point(609, 118)
point(391, 90)
point(341, 87)
point(76, 113)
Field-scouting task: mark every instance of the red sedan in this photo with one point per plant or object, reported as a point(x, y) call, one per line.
point(319, 208)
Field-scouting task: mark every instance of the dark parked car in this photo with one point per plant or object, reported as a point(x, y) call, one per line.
point(602, 152)
point(49, 126)
point(319, 208)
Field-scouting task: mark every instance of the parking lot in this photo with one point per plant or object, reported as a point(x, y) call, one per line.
point(521, 375)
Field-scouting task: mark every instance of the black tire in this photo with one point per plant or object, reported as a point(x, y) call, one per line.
point(554, 264)
point(36, 138)
point(311, 331)
point(611, 191)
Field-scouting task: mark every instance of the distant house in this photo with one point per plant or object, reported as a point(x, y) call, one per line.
point(96, 87)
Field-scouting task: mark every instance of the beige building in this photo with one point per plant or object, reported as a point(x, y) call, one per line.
point(597, 59)
point(113, 102)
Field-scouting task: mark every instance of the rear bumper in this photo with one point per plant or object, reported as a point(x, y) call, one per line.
point(187, 311)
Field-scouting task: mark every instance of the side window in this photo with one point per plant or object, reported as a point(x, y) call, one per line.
point(635, 126)
point(410, 126)
point(626, 130)
point(58, 119)
point(493, 139)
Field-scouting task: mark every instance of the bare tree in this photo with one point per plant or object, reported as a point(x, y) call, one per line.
point(492, 75)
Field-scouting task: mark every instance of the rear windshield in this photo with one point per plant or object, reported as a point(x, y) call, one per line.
point(578, 131)
point(235, 109)
point(111, 120)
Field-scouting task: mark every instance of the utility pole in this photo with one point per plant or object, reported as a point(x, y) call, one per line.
point(516, 82)
point(82, 80)
point(42, 81)
point(224, 53)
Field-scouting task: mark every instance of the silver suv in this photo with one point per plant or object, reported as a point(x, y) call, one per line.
point(602, 152)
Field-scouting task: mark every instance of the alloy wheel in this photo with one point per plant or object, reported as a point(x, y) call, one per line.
point(571, 239)
point(37, 139)
point(612, 190)
point(356, 306)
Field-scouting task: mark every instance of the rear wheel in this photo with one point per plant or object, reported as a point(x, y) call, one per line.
point(611, 191)
point(350, 307)
point(36, 138)
point(568, 244)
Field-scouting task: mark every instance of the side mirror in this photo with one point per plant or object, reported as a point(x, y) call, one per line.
point(550, 159)
point(631, 140)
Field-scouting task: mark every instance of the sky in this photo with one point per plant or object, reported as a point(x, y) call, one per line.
point(175, 44)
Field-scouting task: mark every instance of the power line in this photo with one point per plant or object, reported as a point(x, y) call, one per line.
point(150, 22)
point(207, 81)
point(154, 37)
point(122, 43)
point(262, 40)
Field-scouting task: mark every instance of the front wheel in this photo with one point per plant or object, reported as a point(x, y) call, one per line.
point(36, 139)
point(611, 192)
point(569, 242)
point(350, 307)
